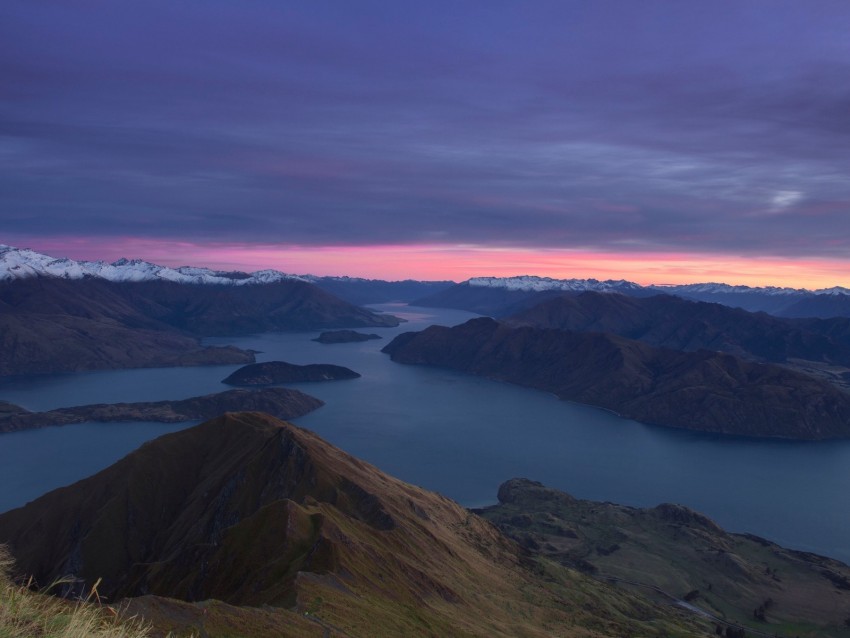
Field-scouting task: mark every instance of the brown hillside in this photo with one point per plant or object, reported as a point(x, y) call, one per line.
point(253, 511)
point(708, 391)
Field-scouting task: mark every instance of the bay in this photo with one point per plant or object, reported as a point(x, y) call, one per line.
point(462, 436)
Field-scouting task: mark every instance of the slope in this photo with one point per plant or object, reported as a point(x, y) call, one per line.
point(680, 324)
point(738, 577)
point(58, 325)
point(253, 511)
point(703, 390)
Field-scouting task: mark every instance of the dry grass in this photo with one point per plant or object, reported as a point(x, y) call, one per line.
point(28, 614)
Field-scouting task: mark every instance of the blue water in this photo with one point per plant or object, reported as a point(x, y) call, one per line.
point(462, 436)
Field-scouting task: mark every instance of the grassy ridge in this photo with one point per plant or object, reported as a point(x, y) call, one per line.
point(28, 614)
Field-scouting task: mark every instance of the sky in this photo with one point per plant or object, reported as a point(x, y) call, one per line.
point(657, 141)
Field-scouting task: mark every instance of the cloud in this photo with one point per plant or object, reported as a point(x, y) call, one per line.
point(594, 125)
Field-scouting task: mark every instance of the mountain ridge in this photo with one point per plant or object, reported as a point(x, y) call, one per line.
point(256, 512)
point(59, 325)
point(282, 403)
point(704, 390)
point(683, 324)
point(502, 296)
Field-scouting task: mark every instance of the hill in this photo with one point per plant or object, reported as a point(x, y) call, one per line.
point(280, 402)
point(704, 390)
point(502, 296)
point(273, 523)
point(676, 323)
point(272, 372)
point(66, 325)
point(740, 578)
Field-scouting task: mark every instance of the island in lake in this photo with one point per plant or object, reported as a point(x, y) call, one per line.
point(272, 372)
point(345, 336)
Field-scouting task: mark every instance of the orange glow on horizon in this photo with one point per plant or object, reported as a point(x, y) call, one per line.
point(458, 263)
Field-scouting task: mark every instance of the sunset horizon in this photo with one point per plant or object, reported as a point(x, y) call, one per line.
point(454, 263)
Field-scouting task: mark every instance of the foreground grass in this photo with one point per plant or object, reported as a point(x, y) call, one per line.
point(28, 614)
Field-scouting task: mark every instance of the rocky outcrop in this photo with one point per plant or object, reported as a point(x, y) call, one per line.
point(273, 372)
point(345, 336)
point(680, 552)
point(279, 402)
point(707, 391)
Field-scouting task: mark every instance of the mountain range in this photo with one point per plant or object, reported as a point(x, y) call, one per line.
point(65, 324)
point(261, 515)
point(502, 296)
point(680, 324)
point(703, 390)
point(246, 525)
point(23, 263)
point(495, 296)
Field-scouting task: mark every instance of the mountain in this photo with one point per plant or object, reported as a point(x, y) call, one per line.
point(23, 263)
point(680, 324)
point(369, 291)
point(265, 521)
point(279, 402)
point(772, 299)
point(50, 324)
point(502, 296)
point(704, 390)
point(738, 577)
point(824, 306)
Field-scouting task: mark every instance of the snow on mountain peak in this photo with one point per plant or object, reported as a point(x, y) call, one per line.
point(715, 288)
point(23, 263)
point(531, 283)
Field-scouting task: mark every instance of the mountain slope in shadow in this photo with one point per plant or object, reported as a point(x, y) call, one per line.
point(269, 519)
point(704, 390)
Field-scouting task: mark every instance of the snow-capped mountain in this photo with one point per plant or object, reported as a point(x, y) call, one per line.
point(530, 283)
point(23, 263)
point(717, 288)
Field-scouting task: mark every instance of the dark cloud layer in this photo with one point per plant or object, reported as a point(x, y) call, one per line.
point(662, 125)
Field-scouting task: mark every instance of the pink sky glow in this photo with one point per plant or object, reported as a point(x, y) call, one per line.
point(458, 263)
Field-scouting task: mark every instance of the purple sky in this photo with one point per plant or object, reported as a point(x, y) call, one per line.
point(711, 127)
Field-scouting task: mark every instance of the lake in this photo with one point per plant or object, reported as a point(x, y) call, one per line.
point(462, 436)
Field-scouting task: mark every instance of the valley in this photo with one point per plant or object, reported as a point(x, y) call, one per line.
point(644, 357)
point(462, 436)
point(424, 320)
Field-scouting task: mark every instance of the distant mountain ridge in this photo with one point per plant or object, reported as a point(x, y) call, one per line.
point(23, 263)
point(532, 282)
point(683, 324)
point(502, 296)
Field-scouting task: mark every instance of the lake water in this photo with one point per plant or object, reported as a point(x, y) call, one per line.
point(462, 436)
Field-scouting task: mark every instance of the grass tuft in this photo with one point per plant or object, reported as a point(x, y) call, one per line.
point(30, 614)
